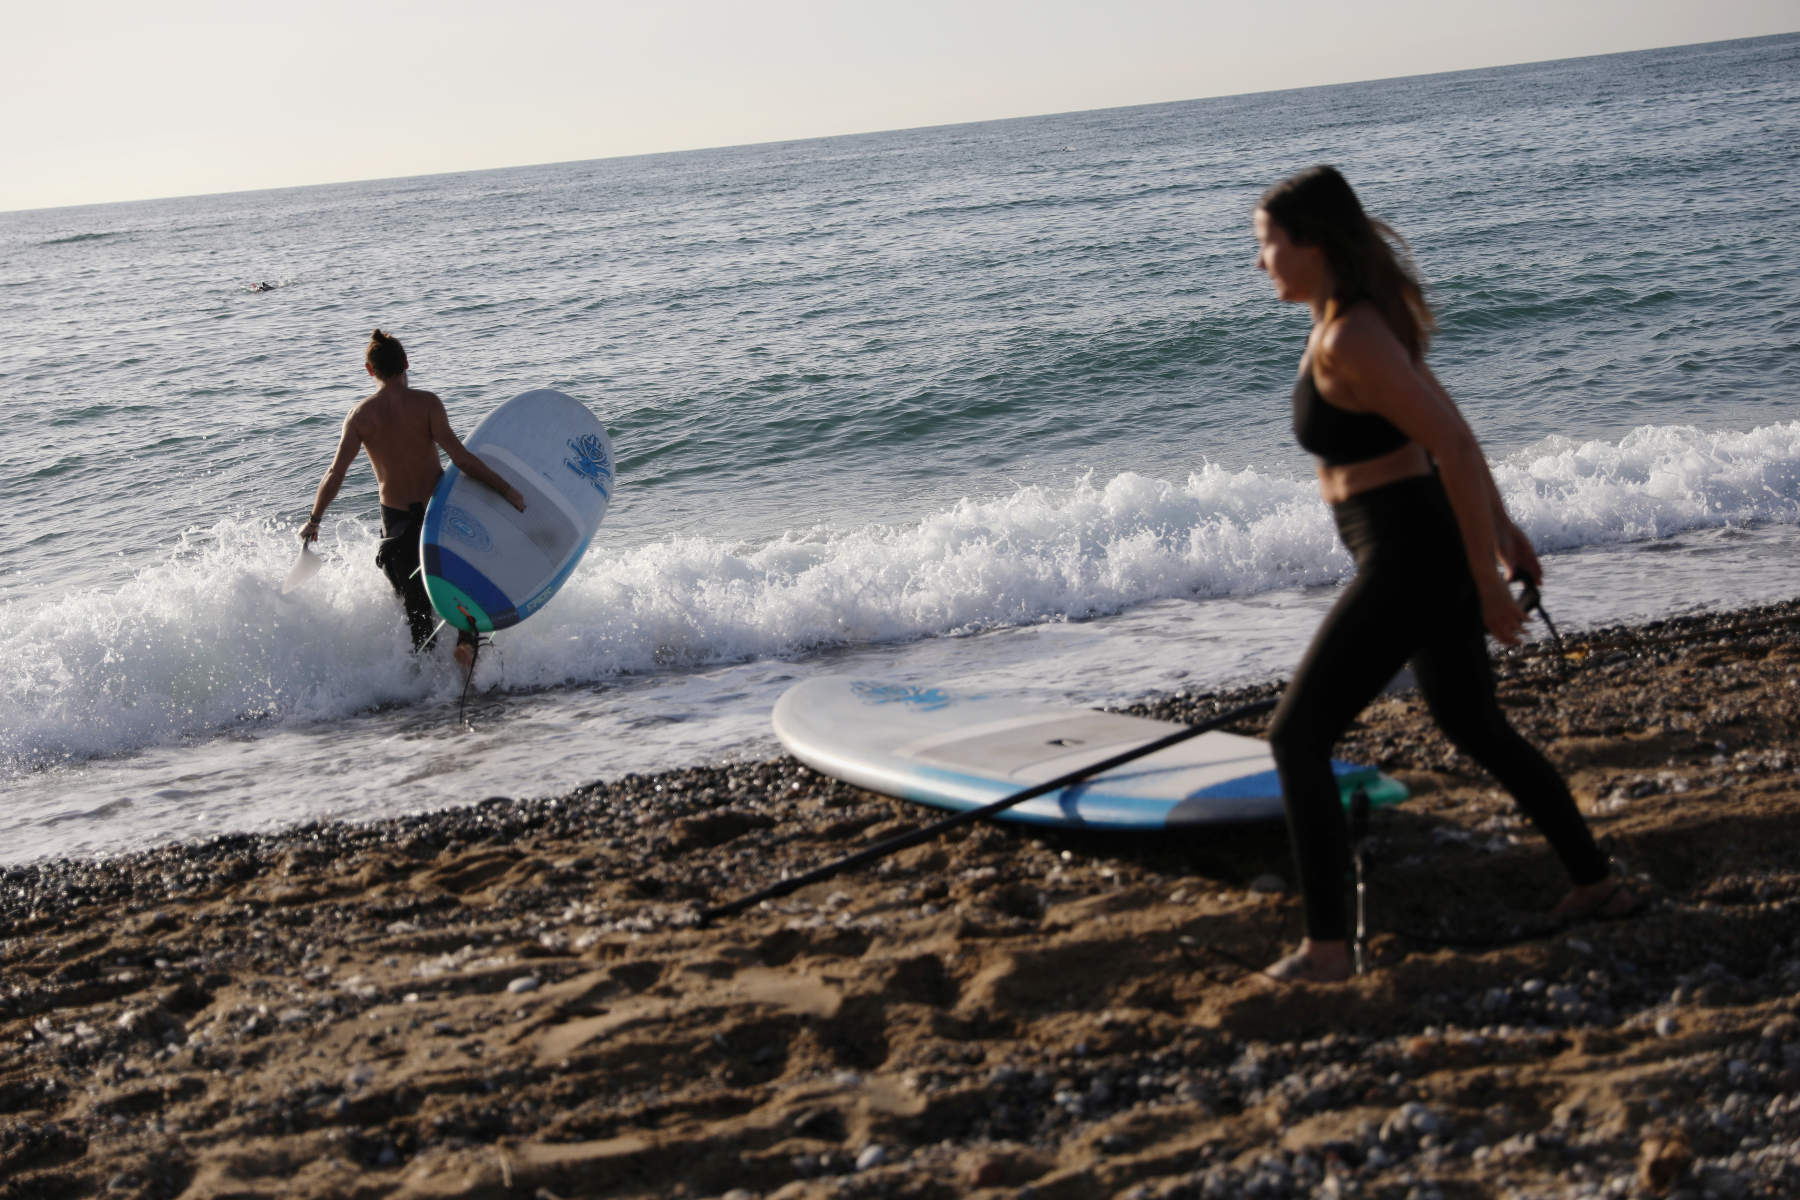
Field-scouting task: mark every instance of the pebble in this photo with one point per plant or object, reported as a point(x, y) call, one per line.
point(1721, 1183)
point(525, 983)
point(1410, 1122)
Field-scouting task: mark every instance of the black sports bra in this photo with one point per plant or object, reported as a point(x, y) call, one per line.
point(1338, 436)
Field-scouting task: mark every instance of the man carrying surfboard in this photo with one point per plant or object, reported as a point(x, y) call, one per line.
point(403, 428)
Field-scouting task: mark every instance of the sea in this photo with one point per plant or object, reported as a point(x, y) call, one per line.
point(1000, 405)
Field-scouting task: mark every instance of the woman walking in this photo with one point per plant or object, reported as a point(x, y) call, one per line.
point(1419, 513)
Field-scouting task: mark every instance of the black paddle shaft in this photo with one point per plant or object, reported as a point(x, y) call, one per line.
point(896, 844)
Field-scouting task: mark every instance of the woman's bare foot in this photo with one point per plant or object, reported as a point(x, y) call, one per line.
point(1607, 899)
point(465, 656)
point(1313, 962)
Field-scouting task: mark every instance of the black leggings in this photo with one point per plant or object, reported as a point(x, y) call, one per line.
point(398, 558)
point(1413, 600)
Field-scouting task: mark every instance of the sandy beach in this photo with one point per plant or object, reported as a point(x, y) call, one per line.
point(516, 999)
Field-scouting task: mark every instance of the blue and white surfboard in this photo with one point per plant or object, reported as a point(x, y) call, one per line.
point(488, 565)
point(954, 750)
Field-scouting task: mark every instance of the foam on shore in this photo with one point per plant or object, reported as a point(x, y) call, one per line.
point(204, 642)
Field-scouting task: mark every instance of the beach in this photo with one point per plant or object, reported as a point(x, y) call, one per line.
point(518, 998)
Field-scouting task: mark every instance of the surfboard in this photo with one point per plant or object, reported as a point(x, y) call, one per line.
point(489, 566)
point(955, 750)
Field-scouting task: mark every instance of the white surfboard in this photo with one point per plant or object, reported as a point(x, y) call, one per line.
point(488, 565)
point(953, 750)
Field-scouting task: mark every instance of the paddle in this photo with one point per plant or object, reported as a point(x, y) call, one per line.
point(892, 845)
point(304, 568)
point(1529, 602)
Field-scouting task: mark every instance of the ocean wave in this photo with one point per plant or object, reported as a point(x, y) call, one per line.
point(205, 642)
point(73, 238)
point(1656, 482)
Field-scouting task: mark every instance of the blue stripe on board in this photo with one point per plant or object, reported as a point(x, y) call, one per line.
point(1083, 805)
point(456, 571)
point(1267, 783)
point(1079, 806)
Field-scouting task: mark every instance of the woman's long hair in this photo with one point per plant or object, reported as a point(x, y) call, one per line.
point(1368, 260)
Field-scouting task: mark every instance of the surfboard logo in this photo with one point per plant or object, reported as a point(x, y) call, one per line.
point(923, 699)
point(590, 462)
point(467, 529)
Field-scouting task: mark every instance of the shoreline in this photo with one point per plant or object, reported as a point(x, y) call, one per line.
point(513, 998)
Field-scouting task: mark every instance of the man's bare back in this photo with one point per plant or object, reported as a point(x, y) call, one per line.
point(396, 427)
point(403, 428)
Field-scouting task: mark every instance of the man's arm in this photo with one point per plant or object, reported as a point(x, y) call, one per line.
point(349, 445)
point(467, 459)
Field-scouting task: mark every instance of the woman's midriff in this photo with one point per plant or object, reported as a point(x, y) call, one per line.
point(1340, 483)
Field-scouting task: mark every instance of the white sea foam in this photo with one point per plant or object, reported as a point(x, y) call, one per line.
point(205, 642)
point(1655, 482)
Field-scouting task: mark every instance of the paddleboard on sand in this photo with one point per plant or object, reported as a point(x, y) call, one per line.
point(955, 750)
point(488, 565)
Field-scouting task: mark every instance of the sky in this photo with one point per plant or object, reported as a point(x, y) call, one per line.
point(109, 100)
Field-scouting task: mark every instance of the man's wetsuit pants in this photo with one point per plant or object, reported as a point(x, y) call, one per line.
point(398, 558)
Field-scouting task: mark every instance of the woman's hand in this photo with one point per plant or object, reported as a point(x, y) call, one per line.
point(1514, 551)
point(1500, 613)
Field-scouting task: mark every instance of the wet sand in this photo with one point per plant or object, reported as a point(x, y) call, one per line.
point(516, 999)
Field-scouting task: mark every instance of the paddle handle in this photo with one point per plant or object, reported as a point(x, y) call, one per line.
point(896, 844)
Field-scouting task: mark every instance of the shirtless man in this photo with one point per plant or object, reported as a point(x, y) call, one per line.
point(403, 429)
